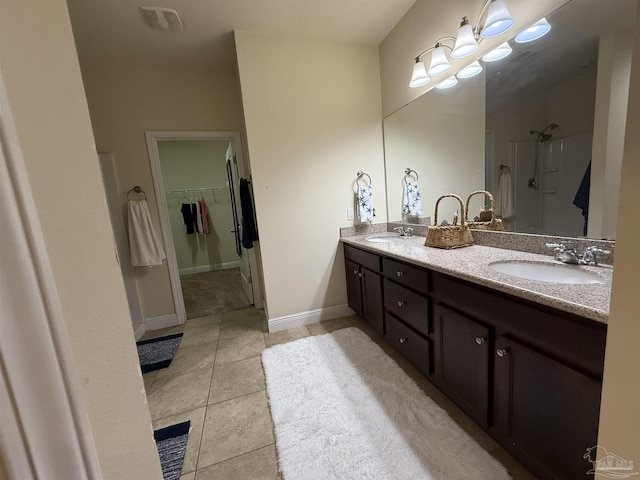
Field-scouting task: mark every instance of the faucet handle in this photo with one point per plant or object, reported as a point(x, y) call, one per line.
point(400, 230)
point(558, 247)
point(409, 232)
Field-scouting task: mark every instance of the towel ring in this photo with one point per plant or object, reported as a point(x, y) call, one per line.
point(502, 167)
point(359, 176)
point(136, 189)
point(407, 173)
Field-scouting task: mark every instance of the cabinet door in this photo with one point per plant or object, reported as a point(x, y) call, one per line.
point(354, 289)
point(545, 412)
point(462, 361)
point(372, 308)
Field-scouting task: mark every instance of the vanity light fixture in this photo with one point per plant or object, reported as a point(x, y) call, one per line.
point(448, 83)
point(439, 63)
point(466, 43)
point(499, 20)
point(470, 71)
point(498, 53)
point(534, 32)
point(419, 77)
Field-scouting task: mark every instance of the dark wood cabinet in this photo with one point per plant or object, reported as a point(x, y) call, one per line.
point(364, 287)
point(529, 374)
point(462, 361)
point(546, 413)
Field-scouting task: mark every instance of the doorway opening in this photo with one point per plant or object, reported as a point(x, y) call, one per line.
point(196, 178)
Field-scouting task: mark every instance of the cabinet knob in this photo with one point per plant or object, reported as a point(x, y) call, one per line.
point(501, 352)
point(400, 303)
point(355, 272)
point(403, 340)
point(399, 273)
point(480, 340)
point(360, 274)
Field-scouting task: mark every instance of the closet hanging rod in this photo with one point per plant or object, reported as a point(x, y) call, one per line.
point(199, 189)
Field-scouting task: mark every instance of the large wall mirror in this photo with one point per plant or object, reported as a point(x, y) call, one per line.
point(548, 118)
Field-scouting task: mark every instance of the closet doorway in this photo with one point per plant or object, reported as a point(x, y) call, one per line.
point(209, 269)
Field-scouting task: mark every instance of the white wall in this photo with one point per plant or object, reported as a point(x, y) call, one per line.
point(313, 119)
point(39, 65)
point(124, 103)
point(199, 163)
point(619, 414)
point(614, 64)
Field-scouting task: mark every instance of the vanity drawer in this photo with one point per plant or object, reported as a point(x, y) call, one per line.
point(366, 259)
point(413, 277)
point(409, 344)
point(409, 306)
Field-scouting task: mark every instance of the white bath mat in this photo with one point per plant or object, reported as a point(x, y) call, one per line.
point(343, 409)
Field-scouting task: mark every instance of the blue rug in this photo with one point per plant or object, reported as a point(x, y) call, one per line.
point(158, 352)
point(172, 447)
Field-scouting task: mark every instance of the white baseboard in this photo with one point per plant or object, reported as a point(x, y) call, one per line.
point(163, 321)
point(208, 268)
point(138, 330)
point(307, 318)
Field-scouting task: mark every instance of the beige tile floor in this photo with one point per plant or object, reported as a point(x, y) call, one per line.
point(216, 380)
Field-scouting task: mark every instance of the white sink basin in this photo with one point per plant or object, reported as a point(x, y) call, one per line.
point(386, 239)
point(546, 272)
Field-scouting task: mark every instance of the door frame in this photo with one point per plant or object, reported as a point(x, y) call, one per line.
point(152, 138)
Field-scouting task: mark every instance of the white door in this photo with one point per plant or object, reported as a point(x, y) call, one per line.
point(235, 172)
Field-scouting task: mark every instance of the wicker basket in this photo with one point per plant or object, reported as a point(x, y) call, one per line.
point(450, 236)
point(492, 224)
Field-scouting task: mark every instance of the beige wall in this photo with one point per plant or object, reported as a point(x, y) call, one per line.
point(425, 22)
point(126, 103)
point(619, 415)
point(40, 69)
point(313, 119)
point(199, 163)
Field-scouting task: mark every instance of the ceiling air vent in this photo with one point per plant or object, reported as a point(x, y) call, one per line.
point(160, 18)
point(521, 57)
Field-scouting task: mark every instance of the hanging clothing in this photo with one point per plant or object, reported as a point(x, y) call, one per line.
point(505, 207)
point(145, 245)
point(581, 199)
point(249, 227)
point(198, 215)
point(366, 210)
point(411, 201)
point(187, 216)
point(194, 216)
point(204, 213)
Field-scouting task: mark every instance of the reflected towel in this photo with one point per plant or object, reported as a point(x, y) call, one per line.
point(505, 207)
point(144, 244)
point(411, 201)
point(366, 210)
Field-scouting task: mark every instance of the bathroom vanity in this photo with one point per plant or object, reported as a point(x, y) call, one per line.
point(523, 358)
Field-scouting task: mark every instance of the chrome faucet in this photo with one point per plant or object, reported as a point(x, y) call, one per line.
point(408, 232)
point(566, 254)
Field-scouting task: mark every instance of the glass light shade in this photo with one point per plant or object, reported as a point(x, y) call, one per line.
point(534, 32)
point(439, 63)
point(498, 53)
point(499, 20)
point(465, 42)
point(419, 77)
point(448, 83)
point(470, 71)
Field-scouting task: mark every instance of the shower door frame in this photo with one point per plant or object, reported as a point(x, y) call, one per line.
point(152, 138)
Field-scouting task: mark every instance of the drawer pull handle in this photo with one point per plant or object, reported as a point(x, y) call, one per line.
point(501, 352)
point(403, 340)
point(480, 340)
point(401, 303)
point(399, 273)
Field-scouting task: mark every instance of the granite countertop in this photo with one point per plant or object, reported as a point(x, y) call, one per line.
point(472, 264)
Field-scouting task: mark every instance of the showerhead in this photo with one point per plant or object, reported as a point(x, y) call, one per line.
point(543, 136)
point(551, 126)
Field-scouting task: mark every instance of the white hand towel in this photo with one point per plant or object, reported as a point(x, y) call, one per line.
point(411, 201)
point(505, 207)
point(366, 210)
point(146, 248)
